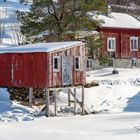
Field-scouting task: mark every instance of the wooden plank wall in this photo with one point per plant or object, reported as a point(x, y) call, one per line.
point(78, 76)
point(24, 70)
point(122, 42)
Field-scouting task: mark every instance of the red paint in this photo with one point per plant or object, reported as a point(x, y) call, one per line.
point(36, 69)
point(122, 41)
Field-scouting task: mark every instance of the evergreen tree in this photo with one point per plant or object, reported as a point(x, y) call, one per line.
point(53, 19)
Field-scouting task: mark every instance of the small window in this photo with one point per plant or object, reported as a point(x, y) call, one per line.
point(134, 43)
point(56, 63)
point(89, 64)
point(134, 62)
point(77, 63)
point(111, 44)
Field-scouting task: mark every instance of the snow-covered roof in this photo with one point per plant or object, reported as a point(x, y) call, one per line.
point(40, 47)
point(117, 20)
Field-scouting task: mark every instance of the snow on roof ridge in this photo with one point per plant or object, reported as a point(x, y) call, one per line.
point(40, 47)
point(118, 20)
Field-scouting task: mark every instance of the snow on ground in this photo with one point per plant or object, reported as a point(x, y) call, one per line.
point(13, 112)
point(115, 93)
point(116, 101)
point(92, 127)
point(9, 21)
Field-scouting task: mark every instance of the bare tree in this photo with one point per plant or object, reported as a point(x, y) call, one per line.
point(3, 13)
point(16, 37)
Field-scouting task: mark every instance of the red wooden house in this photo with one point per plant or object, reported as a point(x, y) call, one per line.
point(120, 35)
point(43, 65)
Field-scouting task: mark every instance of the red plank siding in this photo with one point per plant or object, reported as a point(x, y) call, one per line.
point(5, 70)
point(36, 69)
point(122, 41)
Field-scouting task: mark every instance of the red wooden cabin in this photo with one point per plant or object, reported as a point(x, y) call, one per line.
point(43, 65)
point(120, 35)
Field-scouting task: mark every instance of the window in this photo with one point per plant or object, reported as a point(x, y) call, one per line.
point(77, 63)
point(89, 64)
point(134, 43)
point(134, 62)
point(111, 44)
point(56, 63)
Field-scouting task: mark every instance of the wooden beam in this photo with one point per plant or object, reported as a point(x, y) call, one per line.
point(75, 101)
point(55, 102)
point(48, 102)
point(83, 96)
point(69, 102)
point(80, 104)
point(30, 97)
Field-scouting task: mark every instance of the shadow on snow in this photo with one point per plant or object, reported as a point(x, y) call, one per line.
point(133, 104)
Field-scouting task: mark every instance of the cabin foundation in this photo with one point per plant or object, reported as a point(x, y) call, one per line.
point(73, 100)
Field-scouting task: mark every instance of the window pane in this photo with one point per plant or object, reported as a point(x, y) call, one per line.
point(110, 44)
point(55, 63)
point(132, 46)
point(113, 44)
point(90, 64)
point(135, 44)
point(87, 63)
point(77, 66)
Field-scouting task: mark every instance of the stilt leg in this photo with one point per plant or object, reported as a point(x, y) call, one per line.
point(75, 100)
point(47, 103)
point(30, 97)
point(83, 92)
point(69, 104)
point(55, 100)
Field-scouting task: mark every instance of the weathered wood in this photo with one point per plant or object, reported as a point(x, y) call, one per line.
point(36, 69)
point(83, 96)
point(30, 97)
point(55, 102)
point(69, 102)
point(80, 103)
point(47, 103)
point(75, 101)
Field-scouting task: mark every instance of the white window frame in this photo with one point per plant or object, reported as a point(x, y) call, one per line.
point(137, 43)
point(58, 59)
point(78, 63)
point(112, 39)
point(90, 61)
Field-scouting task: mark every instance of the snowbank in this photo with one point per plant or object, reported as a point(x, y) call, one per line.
point(13, 112)
point(115, 93)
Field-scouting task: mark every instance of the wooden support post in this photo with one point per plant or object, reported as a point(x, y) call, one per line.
point(69, 104)
point(30, 97)
point(55, 102)
point(75, 101)
point(48, 102)
point(83, 96)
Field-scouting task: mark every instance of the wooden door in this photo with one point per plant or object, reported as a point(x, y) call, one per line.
point(66, 70)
